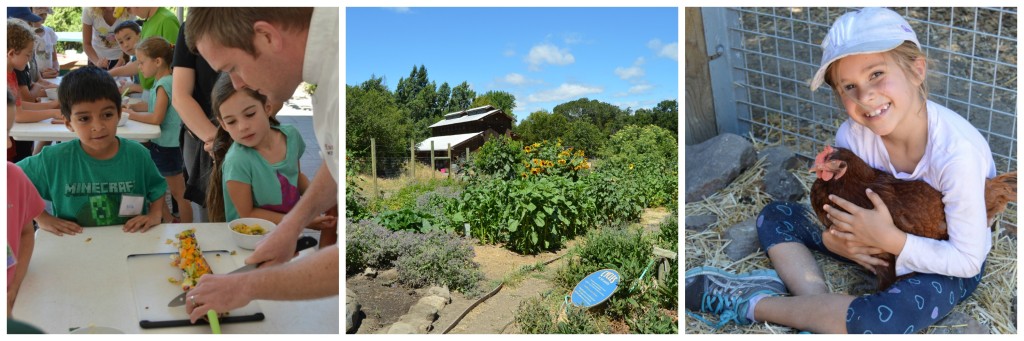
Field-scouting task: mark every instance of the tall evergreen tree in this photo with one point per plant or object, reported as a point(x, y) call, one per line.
point(462, 97)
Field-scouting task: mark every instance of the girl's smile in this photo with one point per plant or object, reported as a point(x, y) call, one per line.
point(877, 93)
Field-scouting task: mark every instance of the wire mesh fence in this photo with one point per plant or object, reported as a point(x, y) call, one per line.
point(772, 53)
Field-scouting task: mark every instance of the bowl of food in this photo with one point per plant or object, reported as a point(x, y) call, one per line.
point(51, 93)
point(248, 231)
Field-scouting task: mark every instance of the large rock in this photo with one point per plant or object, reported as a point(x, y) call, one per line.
point(435, 301)
point(779, 157)
point(743, 239)
point(713, 164)
point(352, 312)
point(783, 185)
point(402, 328)
point(959, 323)
point(700, 222)
point(441, 292)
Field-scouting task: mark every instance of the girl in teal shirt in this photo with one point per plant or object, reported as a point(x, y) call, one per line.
point(256, 160)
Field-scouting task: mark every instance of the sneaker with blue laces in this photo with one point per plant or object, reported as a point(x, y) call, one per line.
point(715, 291)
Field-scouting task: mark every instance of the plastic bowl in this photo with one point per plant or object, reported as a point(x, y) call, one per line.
point(124, 119)
point(248, 241)
point(51, 93)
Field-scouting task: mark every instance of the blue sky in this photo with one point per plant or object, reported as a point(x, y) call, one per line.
point(544, 56)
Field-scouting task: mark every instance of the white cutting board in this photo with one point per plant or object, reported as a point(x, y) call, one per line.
point(152, 290)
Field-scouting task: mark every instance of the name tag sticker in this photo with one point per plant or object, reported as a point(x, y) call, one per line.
point(131, 205)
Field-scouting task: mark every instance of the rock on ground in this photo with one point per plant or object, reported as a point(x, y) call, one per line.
point(352, 312)
point(700, 222)
point(713, 164)
point(743, 239)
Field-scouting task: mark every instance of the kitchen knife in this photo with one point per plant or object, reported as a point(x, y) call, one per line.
point(303, 243)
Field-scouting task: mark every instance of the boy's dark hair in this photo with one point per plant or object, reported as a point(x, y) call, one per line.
point(88, 84)
point(10, 100)
point(128, 25)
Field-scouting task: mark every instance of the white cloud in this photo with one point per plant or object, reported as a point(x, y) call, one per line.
point(565, 91)
point(509, 53)
point(515, 79)
point(640, 88)
point(634, 71)
point(548, 53)
point(670, 50)
point(400, 9)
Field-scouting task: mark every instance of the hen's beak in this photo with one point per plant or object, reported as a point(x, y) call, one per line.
point(815, 168)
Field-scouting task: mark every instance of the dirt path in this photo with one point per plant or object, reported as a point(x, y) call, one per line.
point(497, 314)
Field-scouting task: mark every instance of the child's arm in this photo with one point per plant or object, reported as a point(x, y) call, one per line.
point(56, 225)
point(241, 196)
point(51, 105)
point(126, 70)
point(28, 242)
point(31, 116)
point(142, 223)
point(159, 110)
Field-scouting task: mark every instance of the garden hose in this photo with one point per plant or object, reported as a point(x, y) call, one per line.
point(484, 298)
point(642, 274)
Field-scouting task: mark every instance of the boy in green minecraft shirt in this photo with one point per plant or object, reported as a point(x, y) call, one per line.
point(98, 179)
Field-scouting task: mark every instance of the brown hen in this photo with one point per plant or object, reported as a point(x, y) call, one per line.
point(915, 206)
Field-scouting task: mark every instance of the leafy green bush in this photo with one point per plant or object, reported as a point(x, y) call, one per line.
point(616, 195)
point(406, 218)
point(529, 215)
point(645, 158)
point(499, 157)
point(647, 142)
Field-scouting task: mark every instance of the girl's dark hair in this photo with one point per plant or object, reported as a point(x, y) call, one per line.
point(222, 90)
point(87, 84)
point(156, 47)
point(130, 25)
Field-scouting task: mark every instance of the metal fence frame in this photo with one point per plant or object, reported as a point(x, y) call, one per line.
point(763, 58)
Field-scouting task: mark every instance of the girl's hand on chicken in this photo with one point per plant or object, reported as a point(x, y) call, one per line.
point(854, 251)
point(870, 227)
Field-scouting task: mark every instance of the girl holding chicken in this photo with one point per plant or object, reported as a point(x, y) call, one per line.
point(874, 64)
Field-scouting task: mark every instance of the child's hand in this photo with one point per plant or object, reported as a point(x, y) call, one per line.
point(323, 222)
point(859, 253)
point(142, 223)
point(57, 226)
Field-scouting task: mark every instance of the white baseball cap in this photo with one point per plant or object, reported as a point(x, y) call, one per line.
point(869, 30)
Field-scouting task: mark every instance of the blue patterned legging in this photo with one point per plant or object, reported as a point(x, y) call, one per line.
point(910, 305)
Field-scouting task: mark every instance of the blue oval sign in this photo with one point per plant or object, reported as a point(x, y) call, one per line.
point(595, 288)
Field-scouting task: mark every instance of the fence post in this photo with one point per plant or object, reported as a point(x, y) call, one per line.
point(724, 91)
point(373, 165)
point(412, 160)
point(432, 160)
point(449, 161)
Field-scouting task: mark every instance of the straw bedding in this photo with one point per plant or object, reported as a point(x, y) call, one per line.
point(990, 305)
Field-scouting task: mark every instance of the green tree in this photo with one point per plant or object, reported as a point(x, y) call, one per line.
point(498, 99)
point(374, 114)
point(444, 94)
point(462, 97)
point(584, 135)
point(665, 115)
point(542, 125)
point(607, 117)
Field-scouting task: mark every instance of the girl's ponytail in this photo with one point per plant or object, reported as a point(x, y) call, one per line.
point(215, 191)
